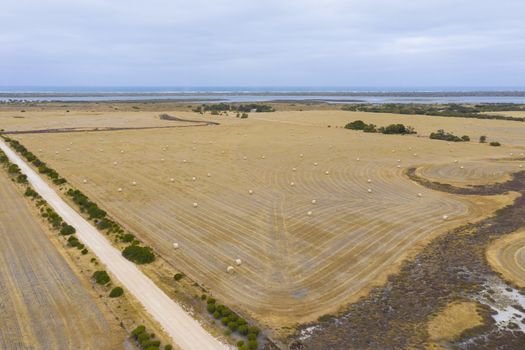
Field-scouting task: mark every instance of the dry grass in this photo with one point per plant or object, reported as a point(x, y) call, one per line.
point(44, 305)
point(295, 267)
point(507, 256)
point(456, 318)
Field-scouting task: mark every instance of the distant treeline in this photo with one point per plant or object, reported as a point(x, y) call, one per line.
point(227, 107)
point(392, 129)
point(447, 110)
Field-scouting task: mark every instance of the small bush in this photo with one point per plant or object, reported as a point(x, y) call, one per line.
point(84, 251)
point(482, 139)
point(127, 238)
point(252, 344)
point(178, 276)
point(138, 330)
point(495, 144)
point(138, 254)
point(101, 277)
point(67, 230)
point(168, 347)
point(211, 308)
point(116, 292)
point(356, 125)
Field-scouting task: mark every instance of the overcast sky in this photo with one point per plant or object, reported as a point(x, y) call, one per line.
point(262, 43)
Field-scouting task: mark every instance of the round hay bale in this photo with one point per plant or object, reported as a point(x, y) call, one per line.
point(244, 157)
point(184, 160)
point(68, 149)
point(420, 195)
point(250, 191)
point(294, 169)
point(195, 205)
point(415, 154)
point(314, 201)
point(120, 189)
point(84, 181)
point(369, 180)
point(445, 217)
point(455, 160)
point(193, 178)
point(358, 159)
point(175, 245)
point(462, 167)
point(399, 160)
point(521, 166)
point(327, 172)
point(230, 269)
point(263, 157)
point(172, 179)
point(238, 262)
point(134, 183)
point(316, 164)
point(369, 190)
point(222, 152)
point(121, 151)
point(309, 213)
point(208, 175)
point(292, 183)
point(56, 152)
point(399, 166)
point(115, 163)
point(193, 148)
point(301, 155)
point(161, 159)
point(40, 150)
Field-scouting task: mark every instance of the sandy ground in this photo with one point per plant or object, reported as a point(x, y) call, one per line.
point(184, 330)
point(44, 305)
point(295, 267)
point(507, 256)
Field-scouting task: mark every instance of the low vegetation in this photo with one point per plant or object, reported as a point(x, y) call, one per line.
point(101, 277)
point(234, 324)
point(441, 110)
point(116, 292)
point(392, 129)
point(31, 158)
point(447, 136)
point(146, 341)
point(216, 108)
point(138, 254)
point(495, 144)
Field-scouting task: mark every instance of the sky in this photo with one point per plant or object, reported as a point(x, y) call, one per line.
point(357, 43)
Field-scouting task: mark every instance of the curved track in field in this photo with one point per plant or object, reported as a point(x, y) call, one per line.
point(295, 267)
point(507, 256)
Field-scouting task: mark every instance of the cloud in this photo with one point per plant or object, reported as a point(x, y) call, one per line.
point(235, 42)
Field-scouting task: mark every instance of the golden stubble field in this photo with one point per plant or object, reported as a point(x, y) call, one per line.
point(44, 304)
point(317, 215)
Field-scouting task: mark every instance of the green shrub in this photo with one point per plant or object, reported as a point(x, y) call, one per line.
point(178, 276)
point(370, 128)
point(138, 254)
point(168, 347)
point(84, 251)
point(465, 138)
point(232, 325)
point(216, 314)
point(101, 277)
point(254, 330)
point(482, 139)
point(356, 125)
point(243, 329)
point(127, 238)
point(116, 292)
point(244, 115)
point(446, 136)
point(138, 330)
point(13, 169)
point(211, 308)
point(211, 301)
point(252, 344)
point(495, 144)
point(67, 230)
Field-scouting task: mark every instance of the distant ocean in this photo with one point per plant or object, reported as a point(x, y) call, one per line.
point(267, 93)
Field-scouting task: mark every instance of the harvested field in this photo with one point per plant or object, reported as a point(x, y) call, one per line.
point(507, 256)
point(300, 260)
point(453, 320)
point(44, 305)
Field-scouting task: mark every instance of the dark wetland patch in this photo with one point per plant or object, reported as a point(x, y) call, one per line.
point(451, 267)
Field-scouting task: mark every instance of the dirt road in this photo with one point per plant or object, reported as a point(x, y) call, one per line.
point(185, 331)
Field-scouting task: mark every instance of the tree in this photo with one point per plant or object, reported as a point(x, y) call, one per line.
point(67, 230)
point(116, 292)
point(356, 125)
point(482, 139)
point(138, 254)
point(495, 144)
point(101, 277)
